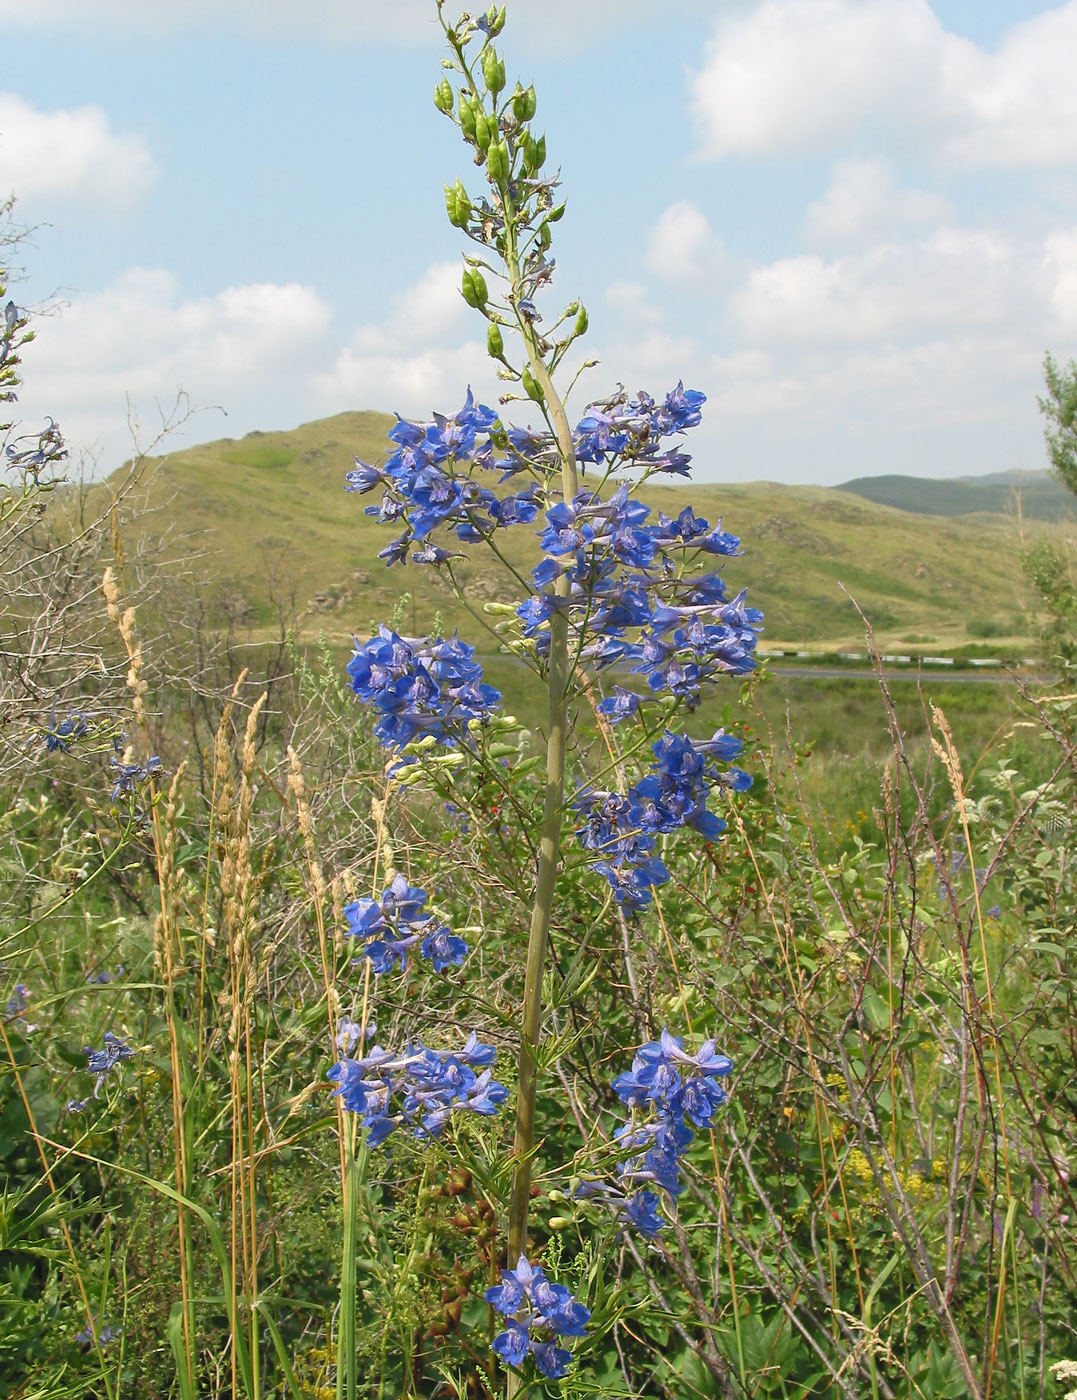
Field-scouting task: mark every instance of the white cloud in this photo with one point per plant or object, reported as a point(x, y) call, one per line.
point(141, 341)
point(1060, 265)
point(631, 301)
point(862, 203)
point(69, 156)
point(796, 75)
point(393, 364)
point(683, 248)
point(266, 353)
point(952, 279)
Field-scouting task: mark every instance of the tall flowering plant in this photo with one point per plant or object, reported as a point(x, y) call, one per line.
point(622, 601)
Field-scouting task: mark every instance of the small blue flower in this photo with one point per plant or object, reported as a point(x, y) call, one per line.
point(531, 1302)
point(418, 1088)
point(641, 1210)
point(102, 1062)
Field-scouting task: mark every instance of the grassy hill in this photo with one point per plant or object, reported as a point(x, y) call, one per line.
point(1033, 495)
point(268, 516)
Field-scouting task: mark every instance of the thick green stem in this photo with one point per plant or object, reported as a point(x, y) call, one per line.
point(549, 855)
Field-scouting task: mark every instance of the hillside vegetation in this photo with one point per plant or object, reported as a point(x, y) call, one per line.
point(1031, 495)
point(271, 522)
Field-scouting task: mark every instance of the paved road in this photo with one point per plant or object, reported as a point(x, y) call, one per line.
point(926, 673)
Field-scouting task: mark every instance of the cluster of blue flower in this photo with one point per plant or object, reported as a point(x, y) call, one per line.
point(629, 601)
point(58, 736)
point(623, 827)
point(418, 1088)
point(423, 488)
point(18, 1001)
point(420, 686)
point(102, 1333)
point(131, 776)
point(395, 923)
point(665, 1088)
point(625, 576)
point(101, 1063)
point(536, 1312)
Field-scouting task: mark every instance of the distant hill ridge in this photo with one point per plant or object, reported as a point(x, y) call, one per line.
point(1033, 495)
point(267, 518)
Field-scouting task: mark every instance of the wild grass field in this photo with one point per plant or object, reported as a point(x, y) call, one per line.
point(882, 941)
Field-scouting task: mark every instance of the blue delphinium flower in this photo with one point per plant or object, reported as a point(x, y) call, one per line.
point(351, 1034)
point(667, 1089)
point(398, 922)
point(418, 1088)
point(537, 1312)
point(102, 976)
point(18, 1000)
point(104, 1334)
point(421, 686)
point(131, 776)
point(102, 1062)
point(59, 736)
point(622, 827)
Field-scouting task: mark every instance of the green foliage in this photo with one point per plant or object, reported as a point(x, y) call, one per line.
point(1059, 407)
point(1030, 495)
point(1049, 571)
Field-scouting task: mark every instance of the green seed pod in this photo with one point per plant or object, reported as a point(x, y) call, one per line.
point(493, 71)
point(524, 104)
point(544, 236)
point(465, 112)
point(531, 386)
point(559, 1222)
point(484, 133)
point(443, 96)
point(495, 342)
point(556, 213)
point(497, 162)
point(473, 287)
point(534, 153)
point(457, 205)
point(581, 322)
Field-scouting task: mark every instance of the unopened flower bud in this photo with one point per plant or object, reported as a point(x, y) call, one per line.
point(466, 113)
point(534, 153)
point(457, 205)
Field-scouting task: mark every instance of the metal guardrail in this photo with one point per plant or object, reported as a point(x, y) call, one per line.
point(818, 658)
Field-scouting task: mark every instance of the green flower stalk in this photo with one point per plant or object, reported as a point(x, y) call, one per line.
point(516, 222)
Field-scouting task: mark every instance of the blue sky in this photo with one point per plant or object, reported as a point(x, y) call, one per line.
point(853, 223)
